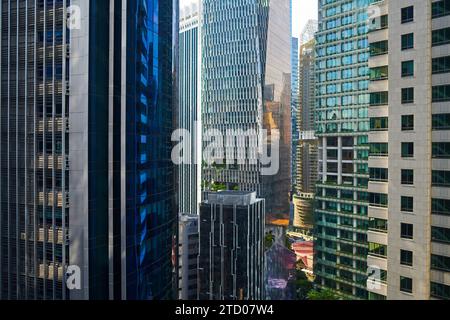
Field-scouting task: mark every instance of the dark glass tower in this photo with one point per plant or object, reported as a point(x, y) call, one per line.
point(86, 142)
point(231, 257)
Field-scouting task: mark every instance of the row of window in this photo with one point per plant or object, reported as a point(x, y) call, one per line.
point(439, 206)
point(440, 150)
point(439, 94)
point(381, 175)
point(439, 122)
point(438, 37)
point(437, 290)
point(438, 65)
point(440, 178)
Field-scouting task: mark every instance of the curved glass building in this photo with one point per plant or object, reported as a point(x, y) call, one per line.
point(246, 76)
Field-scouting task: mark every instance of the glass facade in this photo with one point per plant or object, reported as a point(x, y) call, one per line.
point(33, 150)
point(246, 77)
point(189, 114)
point(150, 194)
point(295, 103)
point(85, 146)
point(342, 125)
point(232, 257)
point(307, 148)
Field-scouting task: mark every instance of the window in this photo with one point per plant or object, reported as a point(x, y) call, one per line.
point(407, 204)
point(408, 122)
point(379, 124)
point(441, 121)
point(379, 73)
point(407, 231)
point(384, 21)
point(406, 258)
point(441, 263)
point(441, 178)
point(407, 95)
point(379, 174)
point(378, 200)
point(440, 206)
point(439, 234)
point(408, 68)
point(407, 41)
point(379, 48)
point(332, 142)
point(377, 249)
point(407, 176)
point(378, 224)
point(440, 8)
point(441, 150)
point(406, 285)
point(376, 296)
point(407, 149)
point(440, 291)
point(348, 141)
point(379, 23)
point(379, 149)
point(441, 93)
point(379, 98)
point(441, 65)
point(440, 37)
point(408, 14)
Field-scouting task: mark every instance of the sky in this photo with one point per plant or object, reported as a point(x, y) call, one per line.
point(303, 10)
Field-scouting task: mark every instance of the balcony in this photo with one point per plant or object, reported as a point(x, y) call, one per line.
point(58, 233)
point(48, 88)
point(50, 272)
point(53, 199)
point(50, 14)
point(51, 161)
point(50, 123)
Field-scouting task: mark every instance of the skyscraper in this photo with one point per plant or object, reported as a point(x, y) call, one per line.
point(231, 259)
point(342, 127)
point(295, 95)
point(246, 86)
point(409, 231)
point(188, 249)
point(307, 148)
point(189, 115)
point(86, 175)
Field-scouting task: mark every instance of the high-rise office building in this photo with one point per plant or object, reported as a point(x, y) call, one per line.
point(188, 249)
point(189, 115)
point(231, 259)
point(342, 127)
point(86, 173)
point(307, 148)
point(409, 207)
point(246, 86)
point(294, 105)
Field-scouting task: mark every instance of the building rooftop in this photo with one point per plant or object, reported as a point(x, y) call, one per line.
point(242, 198)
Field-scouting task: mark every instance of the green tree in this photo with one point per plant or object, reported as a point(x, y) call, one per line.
point(324, 294)
point(302, 285)
point(269, 240)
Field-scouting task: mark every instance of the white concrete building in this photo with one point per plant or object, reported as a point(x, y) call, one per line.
point(409, 162)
